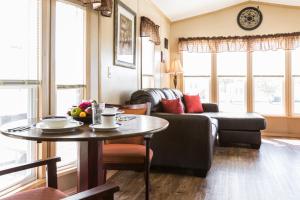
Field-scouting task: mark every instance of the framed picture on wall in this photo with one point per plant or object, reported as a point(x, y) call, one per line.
point(124, 36)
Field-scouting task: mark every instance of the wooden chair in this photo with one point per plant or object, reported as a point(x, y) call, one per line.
point(105, 192)
point(132, 153)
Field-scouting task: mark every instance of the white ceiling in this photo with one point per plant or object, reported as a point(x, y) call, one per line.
point(180, 9)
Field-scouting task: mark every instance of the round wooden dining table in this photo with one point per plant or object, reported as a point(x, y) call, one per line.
point(90, 152)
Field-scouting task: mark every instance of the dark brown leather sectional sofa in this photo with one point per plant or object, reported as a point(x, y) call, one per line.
point(188, 143)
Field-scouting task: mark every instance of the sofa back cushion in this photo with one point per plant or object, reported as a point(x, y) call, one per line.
point(174, 106)
point(193, 104)
point(154, 96)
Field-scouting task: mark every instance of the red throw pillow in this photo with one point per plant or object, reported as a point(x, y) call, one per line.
point(174, 106)
point(193, 104)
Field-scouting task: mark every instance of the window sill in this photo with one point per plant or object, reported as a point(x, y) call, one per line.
point(282, 116)
point(66, 170)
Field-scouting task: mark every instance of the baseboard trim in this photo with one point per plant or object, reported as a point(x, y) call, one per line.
point(285, 135)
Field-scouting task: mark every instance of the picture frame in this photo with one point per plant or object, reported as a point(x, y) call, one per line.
point(124, 36)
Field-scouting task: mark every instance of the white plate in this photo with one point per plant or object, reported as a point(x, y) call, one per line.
point(71, 126)
point(100, 127)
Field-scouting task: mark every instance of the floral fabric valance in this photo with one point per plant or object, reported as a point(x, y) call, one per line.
point(105, 6)
point(150, 29)
point(286, 41)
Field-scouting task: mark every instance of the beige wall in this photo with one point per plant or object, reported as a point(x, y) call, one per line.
point(123, 81)
point(277, 19)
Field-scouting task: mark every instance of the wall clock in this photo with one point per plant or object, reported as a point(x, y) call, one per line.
point(249, 18)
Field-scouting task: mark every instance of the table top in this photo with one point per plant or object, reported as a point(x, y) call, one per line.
point(140, 126)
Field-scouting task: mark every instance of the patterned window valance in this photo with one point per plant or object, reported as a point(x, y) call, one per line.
point(286, 41)
point(104, 6)
point(150, 29)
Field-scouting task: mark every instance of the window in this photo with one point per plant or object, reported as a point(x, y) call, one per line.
point(197, 70)
point(296, 81)
point(69, 67)
point(268, 82)
point(19, 67)
point(148, 58)
point(232, 71)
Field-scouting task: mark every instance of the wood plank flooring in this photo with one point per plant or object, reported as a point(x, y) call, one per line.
point(272, 173)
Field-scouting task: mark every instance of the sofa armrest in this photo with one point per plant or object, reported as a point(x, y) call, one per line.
point(189, 137)
point(210, 107)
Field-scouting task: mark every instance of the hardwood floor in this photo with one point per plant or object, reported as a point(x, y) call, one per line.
point(272, 173)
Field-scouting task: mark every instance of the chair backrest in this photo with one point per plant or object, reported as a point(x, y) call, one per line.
point(137, 109)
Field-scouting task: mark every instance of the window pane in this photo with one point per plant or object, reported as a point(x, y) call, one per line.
point(232, 63)
point(232, 90)
point(269, 91)
point(66, 98)
point(198, 85)
point(232, 94)
point(268, 95)
point(296, 62)
point(69, 45)
point(70, 66)
point(268, 62)
point(19, 37)
point(296, 80)
point(148, 50)
point(19, 60)
point(196, 63)
point(14, 151)
point(296, 95)
point(148, 82)
point(68, 153)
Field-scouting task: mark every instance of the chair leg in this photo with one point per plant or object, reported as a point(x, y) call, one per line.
point(104, 175)
point(147, 170)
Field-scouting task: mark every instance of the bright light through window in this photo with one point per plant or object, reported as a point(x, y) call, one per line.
point(232, 71)
point(69, 67)
point(19, 63)
point(197, 70)
point(148, 65)
point(268, 72)
point(296, 80)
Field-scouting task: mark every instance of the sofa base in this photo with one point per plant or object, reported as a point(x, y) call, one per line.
point(233, 138)
point(176, 170)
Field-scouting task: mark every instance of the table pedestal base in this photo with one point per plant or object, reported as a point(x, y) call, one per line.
point(90, 165)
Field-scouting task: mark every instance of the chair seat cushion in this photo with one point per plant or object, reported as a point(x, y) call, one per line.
point(44, 193)
point(125, 153)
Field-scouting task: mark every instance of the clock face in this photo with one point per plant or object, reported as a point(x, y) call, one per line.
point(249, 18)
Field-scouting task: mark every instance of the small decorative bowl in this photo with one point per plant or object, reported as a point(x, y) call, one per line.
point(85, 120)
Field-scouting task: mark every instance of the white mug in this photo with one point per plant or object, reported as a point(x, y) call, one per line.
point(112, 110)
point(108, 119)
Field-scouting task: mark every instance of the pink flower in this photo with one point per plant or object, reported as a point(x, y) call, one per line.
point(85, 105)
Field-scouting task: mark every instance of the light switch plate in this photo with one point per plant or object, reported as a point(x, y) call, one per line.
point(109, 72)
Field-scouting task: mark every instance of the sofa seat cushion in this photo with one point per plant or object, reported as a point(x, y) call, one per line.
point(45, 193)
point(125, 154)
point(239, 121)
